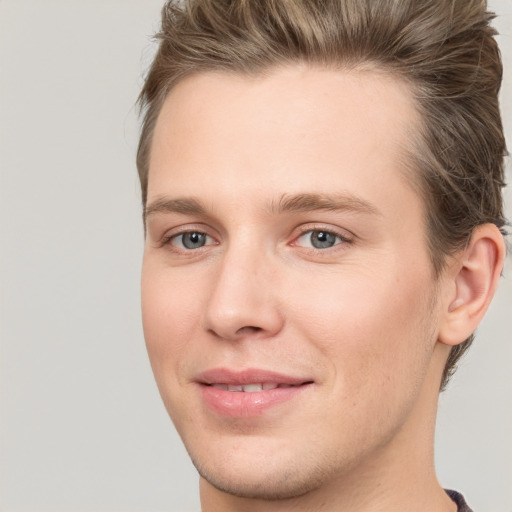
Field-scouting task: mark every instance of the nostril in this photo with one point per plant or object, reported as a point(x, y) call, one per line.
point(249, 329)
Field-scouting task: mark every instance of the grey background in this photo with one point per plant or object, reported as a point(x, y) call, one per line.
point(82, 428)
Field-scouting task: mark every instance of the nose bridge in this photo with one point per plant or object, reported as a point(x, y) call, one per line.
point(242, 297)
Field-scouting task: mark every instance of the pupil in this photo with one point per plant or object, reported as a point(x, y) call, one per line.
point(322, 239)
point(193, 240)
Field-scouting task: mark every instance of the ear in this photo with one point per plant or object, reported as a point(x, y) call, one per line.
point(473, 279)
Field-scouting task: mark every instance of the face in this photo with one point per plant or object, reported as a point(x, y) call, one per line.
point(288, 300)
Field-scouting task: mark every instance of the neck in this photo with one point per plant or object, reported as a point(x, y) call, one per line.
point(400, 475)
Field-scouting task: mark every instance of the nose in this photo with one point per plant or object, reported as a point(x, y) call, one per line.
point(244, 300)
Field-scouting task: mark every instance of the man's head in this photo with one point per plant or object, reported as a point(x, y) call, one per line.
point(443, 49)
point(320, 234)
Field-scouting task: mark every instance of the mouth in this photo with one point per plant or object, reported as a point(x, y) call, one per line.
point(254, 388)
point(248, 393)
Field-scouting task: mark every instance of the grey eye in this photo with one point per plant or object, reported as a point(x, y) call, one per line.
point(322, 239)
point(319, 239)
point(191, 240)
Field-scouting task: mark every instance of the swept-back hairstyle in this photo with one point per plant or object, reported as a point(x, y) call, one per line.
point(445, 50)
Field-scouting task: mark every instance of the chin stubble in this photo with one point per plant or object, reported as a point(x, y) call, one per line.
point(302, 478)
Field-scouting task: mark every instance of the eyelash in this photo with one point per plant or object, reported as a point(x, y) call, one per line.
point(342, 239)
point(167, 240)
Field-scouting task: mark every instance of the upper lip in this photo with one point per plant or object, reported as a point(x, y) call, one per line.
point(248, 376)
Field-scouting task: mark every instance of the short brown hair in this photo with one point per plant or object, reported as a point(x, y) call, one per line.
point(444, 48)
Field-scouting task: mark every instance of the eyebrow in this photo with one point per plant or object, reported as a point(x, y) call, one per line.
point(286, 204)
point(185, 206)
point(330, 202)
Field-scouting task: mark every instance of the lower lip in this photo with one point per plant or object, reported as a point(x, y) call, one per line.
point(242, 404)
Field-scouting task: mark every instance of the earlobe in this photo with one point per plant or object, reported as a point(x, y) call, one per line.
point(474, 281)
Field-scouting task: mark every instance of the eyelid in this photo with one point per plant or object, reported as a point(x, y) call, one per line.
point(172, 233)
point(346, 240)
point(343, 234)
point(173, 240)
point(346, 237)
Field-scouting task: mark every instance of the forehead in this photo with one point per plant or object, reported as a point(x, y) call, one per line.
point(291, 129)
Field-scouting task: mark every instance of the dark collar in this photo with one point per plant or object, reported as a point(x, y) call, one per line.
point(462, 506)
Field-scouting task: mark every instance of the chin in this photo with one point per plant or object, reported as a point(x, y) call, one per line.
point(261, 486)
point(265, 477)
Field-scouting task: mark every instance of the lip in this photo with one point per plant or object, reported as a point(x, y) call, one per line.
point(248, 404)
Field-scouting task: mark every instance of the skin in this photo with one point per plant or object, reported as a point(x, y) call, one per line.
point(364, 319)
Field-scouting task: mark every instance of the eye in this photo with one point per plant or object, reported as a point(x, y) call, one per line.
point(191, 240)
point(319, 239)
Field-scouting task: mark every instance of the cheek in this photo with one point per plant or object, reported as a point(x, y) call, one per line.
point(170, 321)
point(369, 325)
point(168, 315)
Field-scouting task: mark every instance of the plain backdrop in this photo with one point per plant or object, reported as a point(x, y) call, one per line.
point(82, 428)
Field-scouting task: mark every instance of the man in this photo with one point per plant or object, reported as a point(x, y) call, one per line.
point(322, 201)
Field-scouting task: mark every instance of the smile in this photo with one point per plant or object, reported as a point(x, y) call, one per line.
point(248, 393)
point(251, 388)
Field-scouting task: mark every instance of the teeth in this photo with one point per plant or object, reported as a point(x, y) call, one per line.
point(251, 388)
